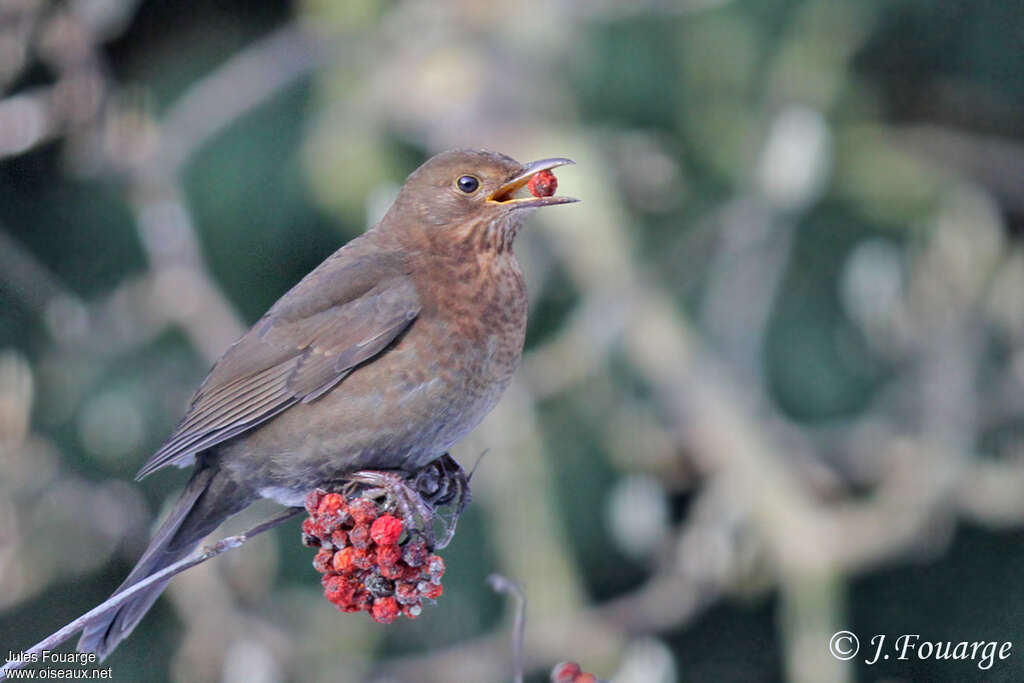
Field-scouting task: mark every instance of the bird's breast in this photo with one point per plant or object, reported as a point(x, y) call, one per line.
point(479, 319)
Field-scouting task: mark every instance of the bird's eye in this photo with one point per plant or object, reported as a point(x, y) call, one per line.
point(468, 184)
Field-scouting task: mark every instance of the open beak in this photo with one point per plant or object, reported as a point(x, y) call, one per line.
point(505, 195)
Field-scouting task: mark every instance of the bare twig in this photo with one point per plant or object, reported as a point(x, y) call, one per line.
point(502, 584)
point(118, 599)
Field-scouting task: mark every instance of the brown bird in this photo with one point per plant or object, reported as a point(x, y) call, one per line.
point(383, 357)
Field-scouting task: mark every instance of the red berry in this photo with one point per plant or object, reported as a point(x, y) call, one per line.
point(566, 672)
point(330, 504)
point(412, 611)
point(385, 610)
point(322, 560)
point(386, 530)
point(344, 560)
point(543, 184)
point(415, 554)
point(348, 592)
point(363, 511)
point(410, 574)
point(364, 558)
point(388, 555)
point(313, 500)
point(360, 537)
point(585, 678)
point(309, 537)
point(339, 538)
point(433, 591)
point(340, 591)
point(361, 598)
point(392, 572)
point(406, 593)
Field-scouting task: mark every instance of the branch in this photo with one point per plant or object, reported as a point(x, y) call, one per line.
point(244, 82)
point(502, 584)
point(118, 599)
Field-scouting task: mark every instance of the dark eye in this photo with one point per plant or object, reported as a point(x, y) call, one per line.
point(468, 184)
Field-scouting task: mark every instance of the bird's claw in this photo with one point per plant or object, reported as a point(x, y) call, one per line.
point(418, 496)
point(443, 483)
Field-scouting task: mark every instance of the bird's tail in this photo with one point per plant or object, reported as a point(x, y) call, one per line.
point(208, 499)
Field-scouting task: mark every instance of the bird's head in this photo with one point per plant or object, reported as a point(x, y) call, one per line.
point(471, 195)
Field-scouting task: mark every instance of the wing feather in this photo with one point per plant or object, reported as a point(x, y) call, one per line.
point(268, 371)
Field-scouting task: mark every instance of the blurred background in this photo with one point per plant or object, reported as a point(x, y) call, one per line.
point(774, 378)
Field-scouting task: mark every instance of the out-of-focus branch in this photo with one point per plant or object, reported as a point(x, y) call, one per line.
point(248, 79)
point(182, 286)
point(178, 289)
point(995, 163)
point(27, 278)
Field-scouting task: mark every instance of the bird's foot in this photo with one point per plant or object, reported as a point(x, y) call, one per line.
point(418, 496)
point(443, 483)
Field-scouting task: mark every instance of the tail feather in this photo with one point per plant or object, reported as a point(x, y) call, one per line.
point(200, 509)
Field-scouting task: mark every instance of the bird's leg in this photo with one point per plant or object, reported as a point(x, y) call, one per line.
point(418, 496)
point(400, 496)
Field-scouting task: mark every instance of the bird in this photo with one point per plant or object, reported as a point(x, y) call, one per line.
point(382, 357)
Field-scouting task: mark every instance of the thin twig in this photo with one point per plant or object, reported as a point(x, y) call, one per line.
point(503, 584)
point(118, 599)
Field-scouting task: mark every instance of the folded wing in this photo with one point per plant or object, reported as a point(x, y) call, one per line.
point(292, 356)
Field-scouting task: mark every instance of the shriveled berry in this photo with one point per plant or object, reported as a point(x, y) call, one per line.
point(433, 591)
point(364, 558)
point(309, 526)
point(543, 184)
point(435, 567)
point(322, 560)
point(393, 572)
point(360, 537)
point(319, 530)
point(385, 610)
point(341, 591)
point(406, 593)
point(339, 538)
point(389, 555)
point(344, 560)
point(332, 505)
point(378, 586)
point(363, 511)
point(313, 499)
point(331, 582)
point(386, 530)
point(310, 539)
point(415, 554)
point(412, 611)
point(411, 574)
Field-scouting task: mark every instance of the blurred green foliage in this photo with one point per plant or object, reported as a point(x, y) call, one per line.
point(689, 88)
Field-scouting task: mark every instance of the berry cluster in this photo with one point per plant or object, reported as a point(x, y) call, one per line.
point(365, 567)
point(543, 184)
point(569, 672)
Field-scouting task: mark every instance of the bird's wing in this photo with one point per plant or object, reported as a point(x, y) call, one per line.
point(308, 342)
